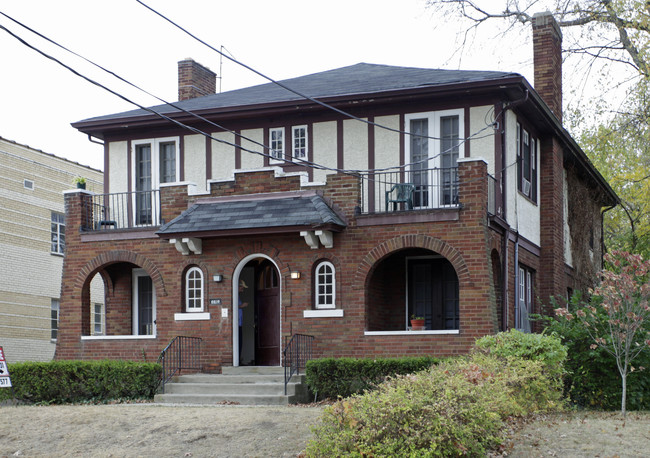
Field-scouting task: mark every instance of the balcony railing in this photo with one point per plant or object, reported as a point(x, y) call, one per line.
point(409, 190)
point(123, 210)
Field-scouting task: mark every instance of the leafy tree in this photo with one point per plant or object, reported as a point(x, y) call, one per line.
point(617, 316)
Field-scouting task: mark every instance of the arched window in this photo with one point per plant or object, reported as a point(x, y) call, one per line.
point(194, 290)
point(325, 285)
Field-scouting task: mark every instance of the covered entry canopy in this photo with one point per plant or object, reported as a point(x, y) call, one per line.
point(304, 212)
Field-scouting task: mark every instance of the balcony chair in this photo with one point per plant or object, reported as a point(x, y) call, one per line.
point(401, 193)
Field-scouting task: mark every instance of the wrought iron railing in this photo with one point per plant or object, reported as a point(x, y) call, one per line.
point(295, 356)
point(409, 190)
point(122, 210)
point(182, 353)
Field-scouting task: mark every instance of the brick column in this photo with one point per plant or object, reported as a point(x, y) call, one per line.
point(551, 279)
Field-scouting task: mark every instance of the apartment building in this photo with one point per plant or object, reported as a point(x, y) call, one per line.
point(32, 243)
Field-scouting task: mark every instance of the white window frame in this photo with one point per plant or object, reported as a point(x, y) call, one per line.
point(200, 289)
point(434, 149)
point(305, 154)
point(135, 316)
point(155, 169)
point(60, 233)
point(525, 186)
point(525, 298)
point(318, 297)
point(98, 319)
point(276, 152)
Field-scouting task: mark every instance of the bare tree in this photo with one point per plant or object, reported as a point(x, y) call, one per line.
point(616, 30)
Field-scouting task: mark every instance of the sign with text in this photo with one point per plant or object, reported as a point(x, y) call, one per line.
point(5, 380)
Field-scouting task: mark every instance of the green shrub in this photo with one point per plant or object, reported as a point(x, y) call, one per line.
point(59, 382)
point(342, 377)
point(592, 380)
point(548, 349)
point(455, 408)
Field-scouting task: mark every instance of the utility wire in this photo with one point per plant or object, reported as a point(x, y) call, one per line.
point(279, 83)
point(266, 147)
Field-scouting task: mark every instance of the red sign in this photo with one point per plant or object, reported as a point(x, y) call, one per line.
point(5, 380)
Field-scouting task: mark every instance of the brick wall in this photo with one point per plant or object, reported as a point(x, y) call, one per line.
point(195, 80)
point(365, 284)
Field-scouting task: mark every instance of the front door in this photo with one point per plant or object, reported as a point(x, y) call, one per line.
point(267, 315)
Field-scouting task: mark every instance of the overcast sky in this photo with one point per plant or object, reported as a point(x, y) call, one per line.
point(281, 39)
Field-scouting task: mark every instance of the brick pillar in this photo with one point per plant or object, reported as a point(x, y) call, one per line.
point(547, 56)
point(551, 278)
point(72, 313)
point(478, 298)
point(195, 80)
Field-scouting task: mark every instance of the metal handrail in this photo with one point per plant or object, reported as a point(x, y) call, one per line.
point(428, 189)
point(122, 210)
point(295, 355)
point(182, 353)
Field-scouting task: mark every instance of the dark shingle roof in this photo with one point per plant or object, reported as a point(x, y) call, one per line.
point(301, 211)
point(356, 79)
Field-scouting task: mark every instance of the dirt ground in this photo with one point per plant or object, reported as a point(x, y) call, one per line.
point(147, 430)
point(130, 430)
point(584, 434)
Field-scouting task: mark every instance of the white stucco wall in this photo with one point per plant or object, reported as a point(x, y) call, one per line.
point(481, 143)
point(324, 148)
point(223, 156)
point(117, 167)
point(522, 214)
point(386, 142)
point(251, 161)
point(194, 160)
point(355, 144)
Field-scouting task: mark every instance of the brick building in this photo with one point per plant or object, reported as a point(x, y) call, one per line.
point(32, 243)
point(456, 196)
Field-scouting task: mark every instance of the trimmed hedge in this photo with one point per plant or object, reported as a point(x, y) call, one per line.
point(342, 377)
point(59, 382)
point(459, 407)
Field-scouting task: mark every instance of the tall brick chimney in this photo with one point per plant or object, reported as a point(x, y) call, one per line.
point(547, 54)
point(195, 80)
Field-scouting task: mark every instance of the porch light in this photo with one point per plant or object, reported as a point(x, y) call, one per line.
point(295, 275)
point(218, 278)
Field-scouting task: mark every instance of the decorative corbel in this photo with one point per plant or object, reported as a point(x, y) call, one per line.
point(195, 245)
point(310, 238)
point(326, 238)
point(181, 247)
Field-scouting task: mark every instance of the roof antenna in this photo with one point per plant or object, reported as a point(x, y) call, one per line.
point(220, 67)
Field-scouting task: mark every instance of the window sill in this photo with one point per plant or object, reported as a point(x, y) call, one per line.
point(126, 337)
point(55, 253)
point(327, 313)
point(410, 333)
point(192, 316)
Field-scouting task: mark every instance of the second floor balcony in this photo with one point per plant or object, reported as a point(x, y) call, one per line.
point(122, 210)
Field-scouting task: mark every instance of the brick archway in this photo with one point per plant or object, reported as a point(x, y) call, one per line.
point(112, 257)
point(369, 262)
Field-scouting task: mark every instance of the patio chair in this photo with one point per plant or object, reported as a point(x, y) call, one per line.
point(401, 193)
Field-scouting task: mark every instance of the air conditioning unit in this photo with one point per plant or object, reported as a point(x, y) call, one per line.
point(526, 187)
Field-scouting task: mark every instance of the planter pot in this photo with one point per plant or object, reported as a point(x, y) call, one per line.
point(81, 185)
point(417, 325)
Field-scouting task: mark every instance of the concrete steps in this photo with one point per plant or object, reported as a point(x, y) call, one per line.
point(245, 385)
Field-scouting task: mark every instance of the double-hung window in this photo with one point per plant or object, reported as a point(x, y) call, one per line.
point(433, 147)
point(299, 134)
point(276, 144)
point(154, 162)
point(194, 290)
point(325, 285)
point(526, 163)
point(57, 233)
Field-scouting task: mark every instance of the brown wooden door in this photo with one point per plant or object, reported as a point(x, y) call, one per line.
point(267, 316)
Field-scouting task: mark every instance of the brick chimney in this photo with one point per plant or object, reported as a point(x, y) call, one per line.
point(547, 54)
point(195, 80)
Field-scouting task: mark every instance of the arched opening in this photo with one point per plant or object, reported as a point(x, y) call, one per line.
point(256, 312)
point(498, 287)
point(119, 299)
point(413, 282)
